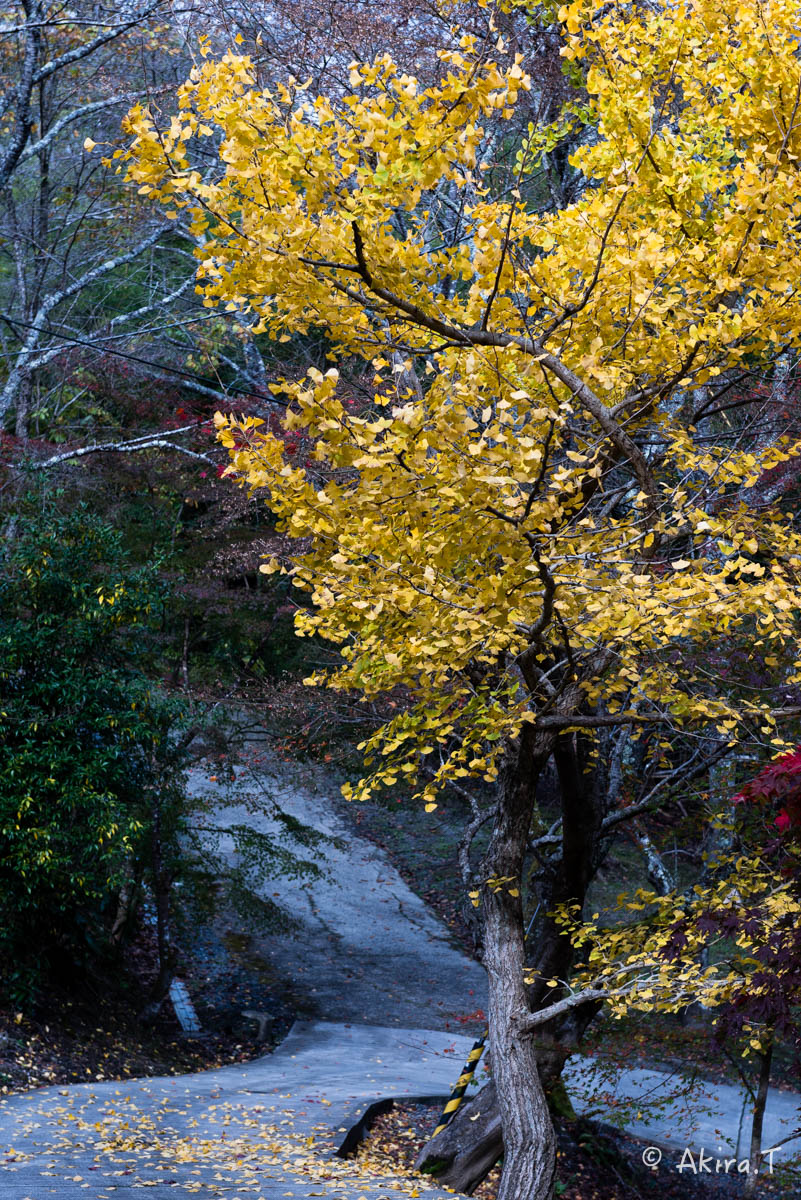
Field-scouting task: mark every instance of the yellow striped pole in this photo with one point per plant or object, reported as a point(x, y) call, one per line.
point(457, 1095)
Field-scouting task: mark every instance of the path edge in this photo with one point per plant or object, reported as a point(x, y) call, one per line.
point(361, 1120)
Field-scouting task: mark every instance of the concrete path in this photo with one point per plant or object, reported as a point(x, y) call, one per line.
point(367, 949)
point(271, 1128)
point(268, 1128)
point(369, 953)
point(677, 1114)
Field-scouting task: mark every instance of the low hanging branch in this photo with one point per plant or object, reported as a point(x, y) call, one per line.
point(530, 1021)
point(133, 447)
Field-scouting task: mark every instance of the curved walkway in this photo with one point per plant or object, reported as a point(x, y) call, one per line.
point(369, 953)
point(366, 948)
point(269, 1128)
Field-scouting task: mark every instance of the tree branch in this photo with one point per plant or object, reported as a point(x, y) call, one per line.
point(528, 1022)
point(37, 325)
point(71, 56)
point(606, 720)
point(531, 346)
point(132, 447)
point(36, 147)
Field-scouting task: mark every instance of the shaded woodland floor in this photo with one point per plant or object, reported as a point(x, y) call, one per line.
point(88, 1029)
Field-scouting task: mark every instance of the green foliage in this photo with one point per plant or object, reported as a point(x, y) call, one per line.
point(84, 738)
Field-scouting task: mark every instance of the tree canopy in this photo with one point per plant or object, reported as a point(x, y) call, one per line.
point(551, 515)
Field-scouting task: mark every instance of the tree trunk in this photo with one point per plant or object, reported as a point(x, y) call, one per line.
point(161, 987)
point(469, 1145)
point(125, 903)
point(567, 880)
point(22, 414)
point(162, 886)
point(472, 1141)
point(528, 1135)
point(761, 1100)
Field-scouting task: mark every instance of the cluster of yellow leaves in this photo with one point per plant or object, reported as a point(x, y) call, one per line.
point(299, 171)
point(416, 573)
point(695, 104)
point(698, 103)
point(462, 542)
point(643, 964)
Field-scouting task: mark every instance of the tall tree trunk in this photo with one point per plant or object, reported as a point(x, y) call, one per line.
point(571, 874)
point(528, 1136)
point(162, 886)
point(755, 1154)
point(472, 1142)
point(568, 885)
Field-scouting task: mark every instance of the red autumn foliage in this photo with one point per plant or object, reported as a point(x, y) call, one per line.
point(777, 783)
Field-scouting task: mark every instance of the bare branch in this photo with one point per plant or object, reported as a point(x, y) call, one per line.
point(684, 773)
point(132, 447)
point(37, 326)
point(528, 1022)
point(466, 842)
point(77, 114)
point(657, 871)
point(22, 114)
point(79, 52)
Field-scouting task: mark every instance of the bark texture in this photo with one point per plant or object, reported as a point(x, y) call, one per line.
point(472, 1142)
point(529, 1140)
point(760, 1101)
point(526, 1068)
point(468, 1147)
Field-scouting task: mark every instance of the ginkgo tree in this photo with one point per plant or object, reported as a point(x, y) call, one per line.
point(534, 530)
